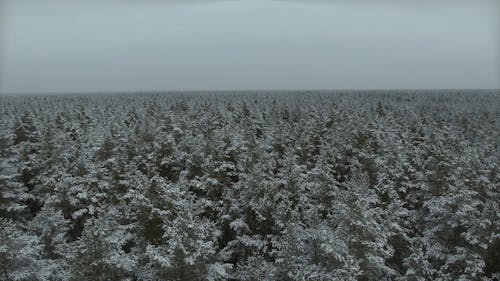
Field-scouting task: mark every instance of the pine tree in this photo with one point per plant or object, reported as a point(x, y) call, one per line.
point(19, 252)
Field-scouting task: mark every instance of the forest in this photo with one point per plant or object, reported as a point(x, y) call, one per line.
point(311, 185)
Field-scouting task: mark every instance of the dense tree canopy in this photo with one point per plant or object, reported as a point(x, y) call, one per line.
point(251, 186)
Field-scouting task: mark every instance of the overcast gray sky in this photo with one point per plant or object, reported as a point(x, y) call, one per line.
point(132, 45)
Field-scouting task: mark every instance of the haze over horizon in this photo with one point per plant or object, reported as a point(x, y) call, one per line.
point(126, 46)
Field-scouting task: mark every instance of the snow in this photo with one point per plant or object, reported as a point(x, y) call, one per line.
point(296, 186)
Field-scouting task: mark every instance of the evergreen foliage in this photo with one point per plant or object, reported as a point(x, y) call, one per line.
point(251, 186)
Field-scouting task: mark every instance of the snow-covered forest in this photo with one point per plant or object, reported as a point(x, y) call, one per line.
point(251, 186)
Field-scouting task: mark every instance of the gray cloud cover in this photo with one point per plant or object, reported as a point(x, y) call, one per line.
point(93, 46)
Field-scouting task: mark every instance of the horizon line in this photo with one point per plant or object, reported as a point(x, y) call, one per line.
point(212, 91)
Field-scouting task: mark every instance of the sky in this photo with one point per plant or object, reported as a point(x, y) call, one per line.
point(70, 46)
